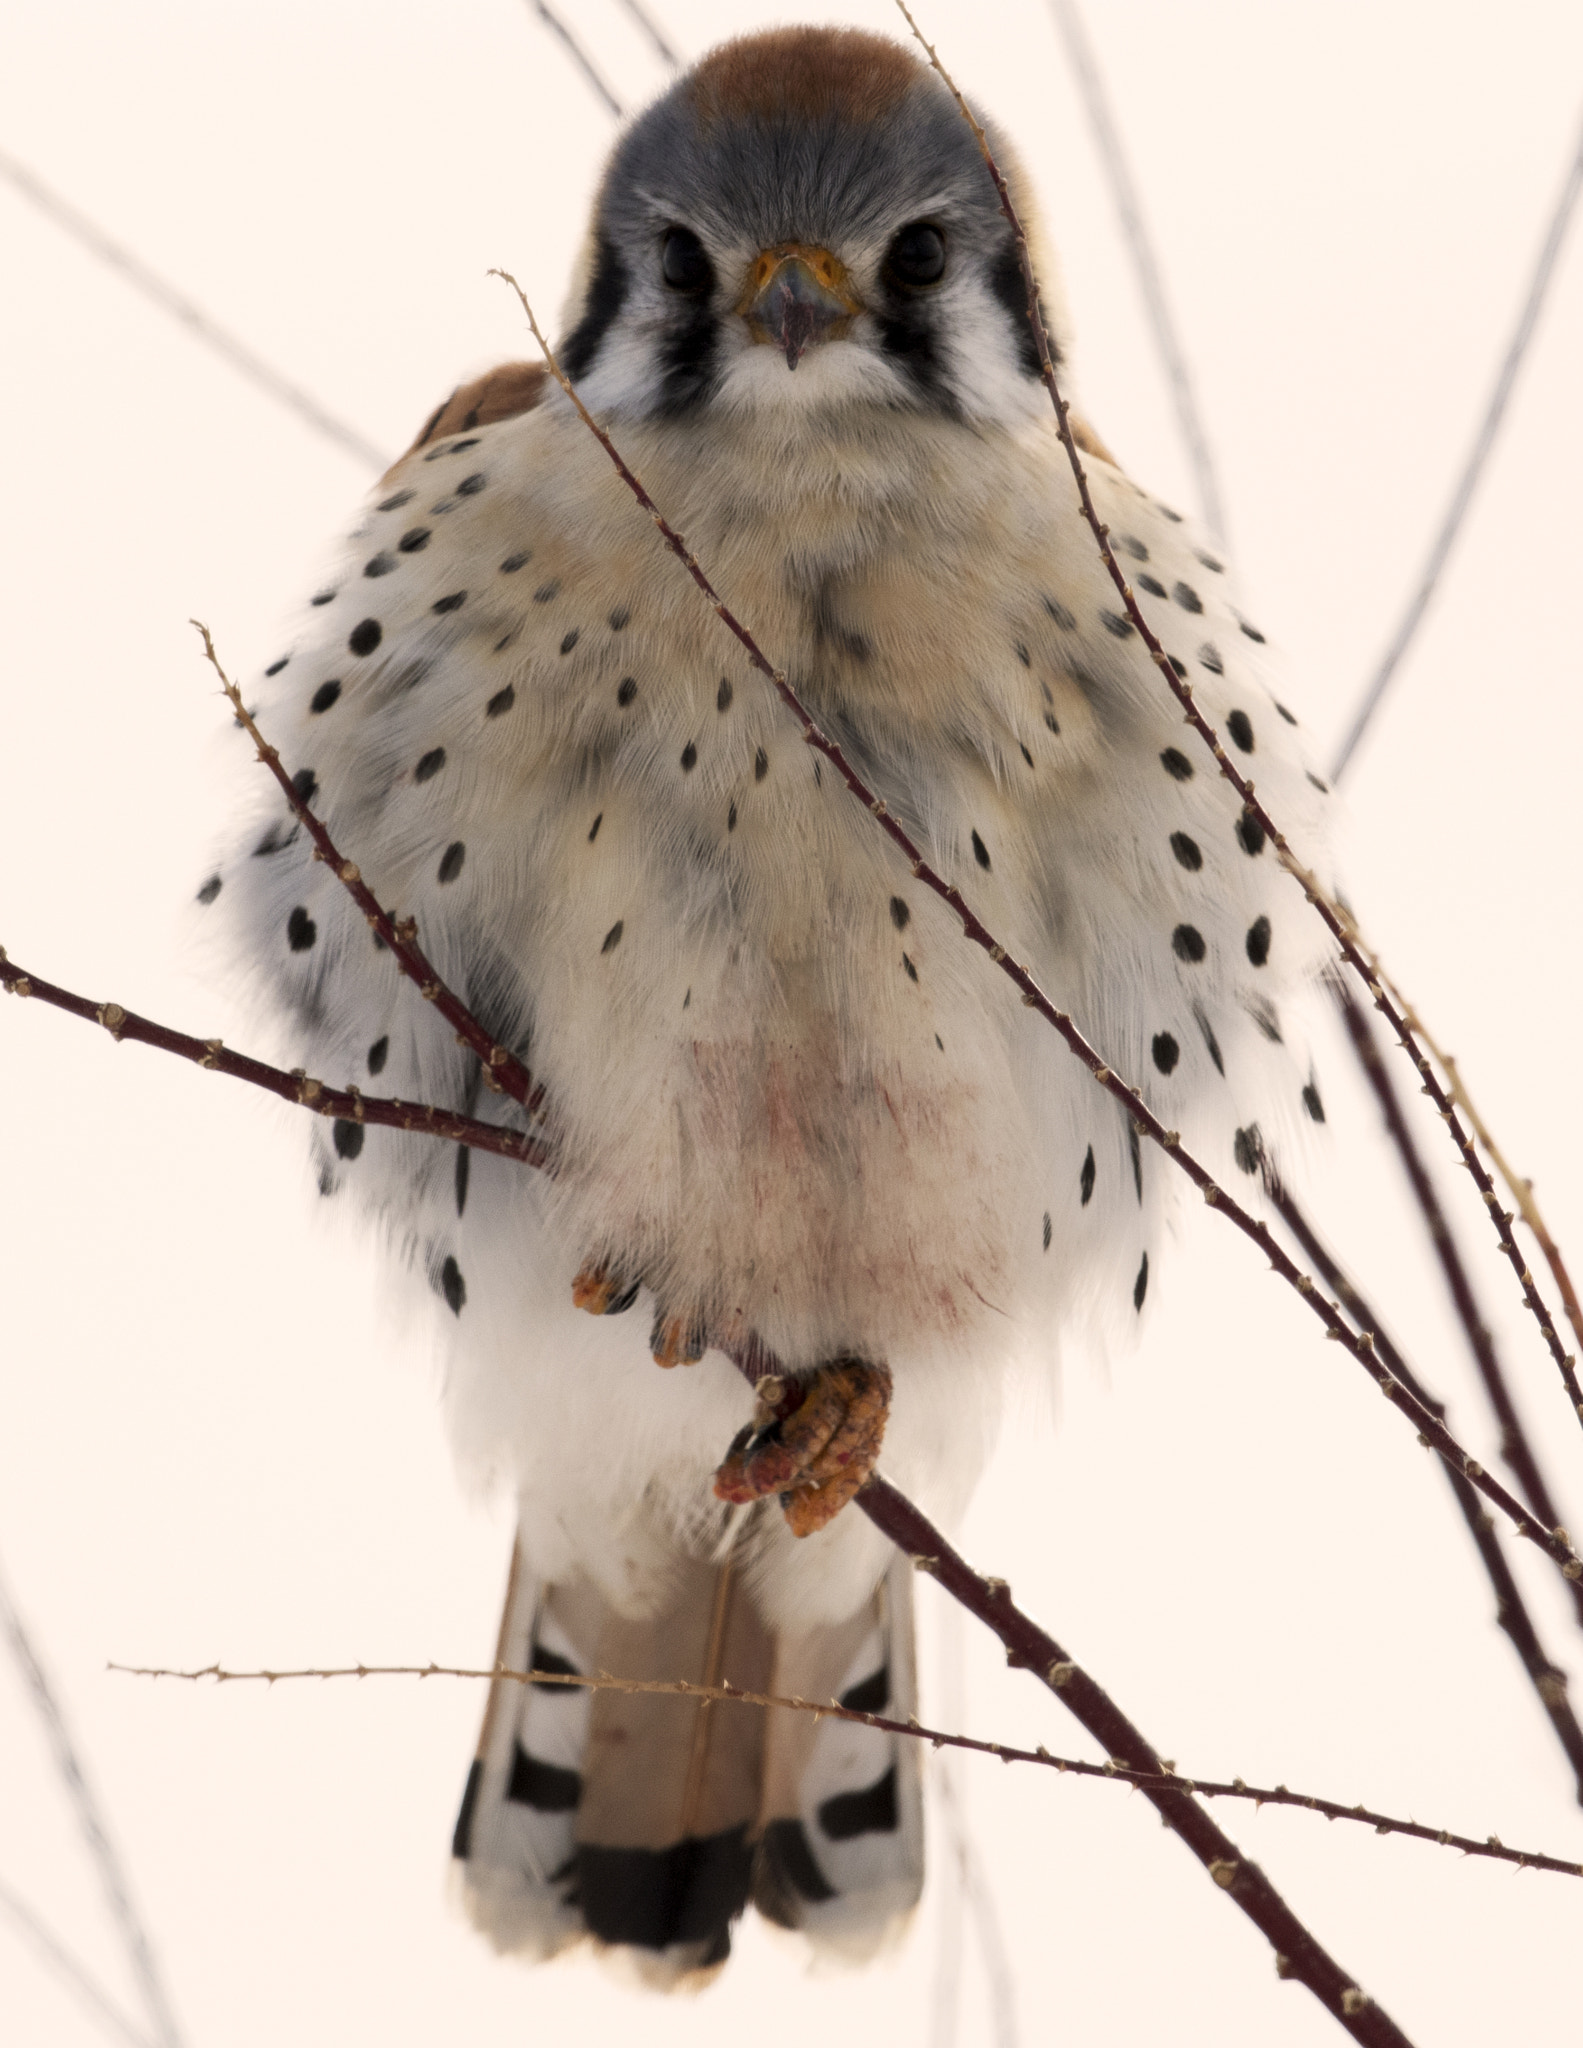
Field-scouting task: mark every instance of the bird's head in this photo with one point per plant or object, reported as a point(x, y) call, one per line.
point(804, 223)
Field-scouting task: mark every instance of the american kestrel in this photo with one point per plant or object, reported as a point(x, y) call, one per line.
point(784, 1097)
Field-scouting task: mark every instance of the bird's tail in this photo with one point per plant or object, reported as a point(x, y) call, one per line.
point(647, 1821)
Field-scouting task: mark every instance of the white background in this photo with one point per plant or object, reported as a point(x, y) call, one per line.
point(212, 1445)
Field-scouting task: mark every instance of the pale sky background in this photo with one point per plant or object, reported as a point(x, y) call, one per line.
point(211, 1443)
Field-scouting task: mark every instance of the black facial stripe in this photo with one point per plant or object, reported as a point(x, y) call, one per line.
point(687, 355)
point(1005, 281)
point(607, 293)
point(907, 334)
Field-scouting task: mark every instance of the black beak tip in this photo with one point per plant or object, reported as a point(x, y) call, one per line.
point(798, 324)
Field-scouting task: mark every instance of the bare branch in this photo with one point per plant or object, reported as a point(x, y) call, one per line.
point(90, 236)
point(1511, 1611)
point(1473, 469)
point(112, 1878)
point(1336, 920)
point(60, 1959)
point(296, 1086)
point(1145, 264)
point(1162, 1779)
point(1521, 1190)
point(1297, 1953)
point(1030, 1648)
point(579, 56)
point(1516, 1448)
point(645, 20)
point(503, 1071)
point(1555, 1543)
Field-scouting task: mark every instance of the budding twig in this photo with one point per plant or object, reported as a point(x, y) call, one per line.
point(1553, 1541)
point(1336, 919)
point(1298, 1953)
point(1028, 1647)
point(1114, 1770)
point(1515, 1445)
point(1520, 1189)
point(400, 935)
point(297, 1086)
point(1511, 1610)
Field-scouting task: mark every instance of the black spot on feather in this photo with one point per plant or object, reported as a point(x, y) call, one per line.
point(547, 1788)
point(871, 1811)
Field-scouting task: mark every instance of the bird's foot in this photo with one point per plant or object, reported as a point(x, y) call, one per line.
point(677, 1340)
point(603, 1290)
point(814, 1442)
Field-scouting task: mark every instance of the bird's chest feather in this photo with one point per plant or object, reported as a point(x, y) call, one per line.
point(776, 1073)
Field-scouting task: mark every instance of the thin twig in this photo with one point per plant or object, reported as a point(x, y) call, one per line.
point(967, 1895)
point(1522, 1193)
point(1516, 1448)
point(975, 1890)
point(1030, 1648)
point(656, 35)
point(1145, 263)
point(1511, 1610)
point(1298, 1953)
point(1521, 1189)
point(503, 1071)
point(1026, 1644)
point(1160, 1778)
point(112, 1878)
point(1336, 919)
point(1473, 469)
point(580, 57)
point(66, 1966)
point(895, 1517)
point(298, 1087)
point(191, 315)
point(1360, 1348)
point(950, 1898)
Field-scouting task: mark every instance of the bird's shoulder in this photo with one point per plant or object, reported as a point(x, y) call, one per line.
point(502, 393)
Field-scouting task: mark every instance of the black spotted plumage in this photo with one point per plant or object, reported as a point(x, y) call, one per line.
point(783, 1089)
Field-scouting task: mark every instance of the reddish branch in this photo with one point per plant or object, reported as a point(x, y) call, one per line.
point(1553, 1542)
point(1511, 1611)
point(296, 1086)
point(503, 1071)
point(1336, 921)
point(1516, 1448)
point(1521, 1189)
point(501, 1068)
point(1298, 1954)
point(727, 1694)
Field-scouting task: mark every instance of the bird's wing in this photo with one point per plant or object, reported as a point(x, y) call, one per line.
point(499, 394)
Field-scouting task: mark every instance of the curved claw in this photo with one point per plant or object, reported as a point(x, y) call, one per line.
point(603, 1290)
point(677, 1340)
point(814, 1442)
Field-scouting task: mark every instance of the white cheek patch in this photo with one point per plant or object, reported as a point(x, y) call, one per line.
point(984, 359)
point(626, 376)
point(977, 352)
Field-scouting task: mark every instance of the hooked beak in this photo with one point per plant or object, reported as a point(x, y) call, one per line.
point(796, 295)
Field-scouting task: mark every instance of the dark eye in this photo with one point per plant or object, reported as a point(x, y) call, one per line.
point(683, 262)
point(917, 256)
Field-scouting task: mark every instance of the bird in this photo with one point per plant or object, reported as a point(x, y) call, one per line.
point(784, 1101)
